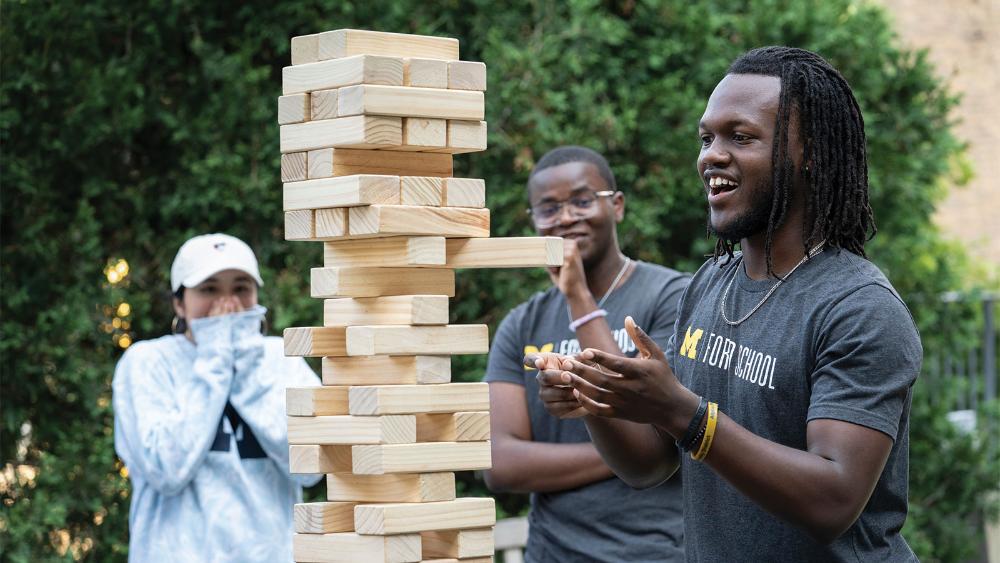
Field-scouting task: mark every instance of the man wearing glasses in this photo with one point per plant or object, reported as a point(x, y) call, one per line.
point(579, 509)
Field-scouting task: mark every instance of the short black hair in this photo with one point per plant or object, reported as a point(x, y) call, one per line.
point(575, 153)
point(834, 163)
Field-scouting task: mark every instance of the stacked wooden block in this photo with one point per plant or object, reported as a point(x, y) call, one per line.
point(369, 124)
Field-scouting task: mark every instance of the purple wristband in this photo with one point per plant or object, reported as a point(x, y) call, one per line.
point(587, 318)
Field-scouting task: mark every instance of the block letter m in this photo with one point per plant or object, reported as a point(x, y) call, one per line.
point(689, 347)
point(529, 349)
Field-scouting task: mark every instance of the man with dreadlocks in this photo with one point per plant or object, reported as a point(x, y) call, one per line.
point(784, 394)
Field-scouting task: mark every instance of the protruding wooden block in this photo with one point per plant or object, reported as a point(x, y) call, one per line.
point(357, 132)
point(396, 220)
point(345, 191)
point(421, 190)
point(453, 427)
point(425, 73)
point(390, 310)
point(420, 458)
point(348, 162)
point(330, 222)
point(386, 370)
point(325, 75)
point(347, 430)
point(348, 42)
point(313, 401)
point(402, 101)
point(517, 252)
point(315, 341)
point(461, 544)
point(319, 459)
point(466, 136)
point(323, 517)
point(293, 108)
point(299, 225)
point(409, 399)
point(464, 192)
point(466, 75)
point(378, 282)
point(385, 252)
point(424, 134)
point(348, 547)
point(293, 166)
point(305, 49)
point(411, 487)
point(405, 340)
point(323, 104)
point(400, 518)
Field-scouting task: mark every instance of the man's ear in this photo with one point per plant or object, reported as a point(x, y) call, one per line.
point(618, 200)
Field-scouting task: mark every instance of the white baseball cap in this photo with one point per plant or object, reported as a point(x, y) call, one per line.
point(205, 255)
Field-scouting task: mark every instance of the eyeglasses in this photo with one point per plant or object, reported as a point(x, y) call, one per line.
point(581, 206)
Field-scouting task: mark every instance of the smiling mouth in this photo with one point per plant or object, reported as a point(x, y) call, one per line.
point(718, 185)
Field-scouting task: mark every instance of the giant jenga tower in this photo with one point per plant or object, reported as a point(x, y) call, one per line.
point(369, 123)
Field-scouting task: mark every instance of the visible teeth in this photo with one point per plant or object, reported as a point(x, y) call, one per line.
point(717, 181)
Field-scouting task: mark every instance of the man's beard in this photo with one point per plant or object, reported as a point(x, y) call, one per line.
point(752, 221)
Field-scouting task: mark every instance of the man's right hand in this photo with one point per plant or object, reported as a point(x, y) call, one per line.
point(555, 391)
point(570, 278)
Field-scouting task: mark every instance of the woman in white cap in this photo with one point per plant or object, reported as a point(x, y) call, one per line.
point(200, 419)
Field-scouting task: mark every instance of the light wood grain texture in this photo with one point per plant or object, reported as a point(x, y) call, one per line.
point(425, 73)
point(410, 399)
point(464, 192)
point(420, 458)
point(390, 310)
point(465, 136)
point(385, 252)
point(299, 225)
point(293, 166)
point(330, 223)
point(347, 430)
point(411, 487)
point(421, 134)
point(345, 191)
point(397, 220)
point(401, 518)
point(319, 459)
point(320, 164)
point(326, 75)
point(386, 370)
point(305, 49)
point(315, 341)
point(323, 517)
point(294, 108)
point(453, 427)
point(405, 340)
point(323, 104)
point(466, 75)
point(402, 101)
point(460, 544)
point(378, 282)
point(348, 547)
point(357, 132)
point(421, 190)
point(347, 42)
point(517, 252)
point(463, 560)
point(313, 401)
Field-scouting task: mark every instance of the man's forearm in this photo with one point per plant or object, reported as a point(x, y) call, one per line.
point(635, 452)
point(540, 467)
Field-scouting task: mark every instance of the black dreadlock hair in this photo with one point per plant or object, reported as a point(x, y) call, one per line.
point(835, 164)
point(573, 153)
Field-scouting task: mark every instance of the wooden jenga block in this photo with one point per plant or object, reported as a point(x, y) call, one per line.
point(345, 430)
point(327, 162)
point(344, 191)
point(465, 136)
point(348, 547)
point(420, 458)
point(425, 73)
point(357, 132)
point(453, 427)
point(315, 341)
point(293, 166)
point(402, 101)
point(323, 104)
point(410, 399)
point(464, 192)
point(397, 220)
point(517, 252)
point(319, 164)
point(390, 310)
point(421, 190)
point(383, 252)
point(463, 560)
point(293, 108)
point(319, 459)
point(386, 370)
point(313, 401)
point(330, 223)
point(305, 49)
point(326, 75)
point(348, 42)
point(460, 544)
point(405, 340)
point(410, 487)
point(424, 134)
point(466, 75)
point(400, 518)
point(379, 282)
point(323, 517)
point(299, 225)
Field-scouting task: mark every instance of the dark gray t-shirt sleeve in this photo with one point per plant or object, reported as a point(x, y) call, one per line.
point(506, 354)
point(666, 308)
point(868, 356)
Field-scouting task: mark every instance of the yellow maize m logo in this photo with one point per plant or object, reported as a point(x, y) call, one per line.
point(529, 349)
point(689, 347)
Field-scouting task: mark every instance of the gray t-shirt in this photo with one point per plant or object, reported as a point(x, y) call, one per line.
point(834, 341)
point(608, 520)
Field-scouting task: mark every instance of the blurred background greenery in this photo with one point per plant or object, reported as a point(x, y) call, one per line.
point(129, 126)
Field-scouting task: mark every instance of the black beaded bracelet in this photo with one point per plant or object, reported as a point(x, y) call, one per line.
point(689, 437)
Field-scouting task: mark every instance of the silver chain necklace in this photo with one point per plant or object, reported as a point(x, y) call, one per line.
point(722, 307)
point(607, 293)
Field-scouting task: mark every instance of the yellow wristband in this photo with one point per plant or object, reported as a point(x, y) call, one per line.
point(706, 442)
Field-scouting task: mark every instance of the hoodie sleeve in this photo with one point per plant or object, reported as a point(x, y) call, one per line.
point(166, 419)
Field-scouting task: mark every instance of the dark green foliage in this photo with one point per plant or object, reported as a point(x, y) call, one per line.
point(127, 127)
